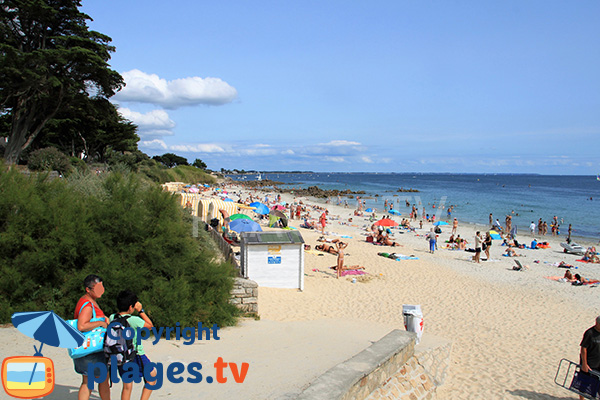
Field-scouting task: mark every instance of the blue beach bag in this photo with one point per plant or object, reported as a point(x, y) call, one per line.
point(94, 339)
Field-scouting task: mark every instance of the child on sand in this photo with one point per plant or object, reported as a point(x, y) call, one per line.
point(127, 303)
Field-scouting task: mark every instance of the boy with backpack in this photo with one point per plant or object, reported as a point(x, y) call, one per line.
point(127, 350)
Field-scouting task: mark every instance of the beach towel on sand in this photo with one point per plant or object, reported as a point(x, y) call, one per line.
point(397, 257)
point(353, 272)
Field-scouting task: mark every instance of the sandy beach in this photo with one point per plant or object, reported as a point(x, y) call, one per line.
point(509, 328)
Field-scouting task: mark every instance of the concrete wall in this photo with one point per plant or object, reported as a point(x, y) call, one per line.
point(391, 368)
point(245, 295)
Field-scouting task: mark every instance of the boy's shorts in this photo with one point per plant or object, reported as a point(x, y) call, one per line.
point(141, 361)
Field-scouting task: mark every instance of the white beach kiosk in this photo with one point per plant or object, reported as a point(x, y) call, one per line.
point(273, 258)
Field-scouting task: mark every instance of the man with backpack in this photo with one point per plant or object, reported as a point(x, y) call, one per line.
point(123, 350)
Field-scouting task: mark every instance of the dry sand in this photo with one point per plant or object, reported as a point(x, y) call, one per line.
point(509, 328)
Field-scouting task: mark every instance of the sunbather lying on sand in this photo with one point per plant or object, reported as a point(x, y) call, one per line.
point(308, 224)
point(569, 277)
point(326, 248)
point(510, 252)
point(591, 256)
point(383, 239)
point(563, 264)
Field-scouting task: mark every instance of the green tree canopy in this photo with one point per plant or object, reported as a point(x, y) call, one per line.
point(89, 126)
point(171, 160)
point(48, 57)
point(198, 163)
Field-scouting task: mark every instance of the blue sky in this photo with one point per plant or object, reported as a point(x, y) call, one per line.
point(396, 86)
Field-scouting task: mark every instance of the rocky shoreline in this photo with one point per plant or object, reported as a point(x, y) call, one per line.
point(313, 191)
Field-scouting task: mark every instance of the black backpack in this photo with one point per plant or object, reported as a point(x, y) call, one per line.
point(123, 349)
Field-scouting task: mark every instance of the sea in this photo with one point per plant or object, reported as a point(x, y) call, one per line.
point(526, 197)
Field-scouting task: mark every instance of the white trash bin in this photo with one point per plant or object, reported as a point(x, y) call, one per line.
point(413, 319)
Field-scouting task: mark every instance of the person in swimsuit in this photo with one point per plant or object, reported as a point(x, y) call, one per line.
point(569, 276)
point(487, 243)
point(340, 261)
point(383, 239)
point(326, 248)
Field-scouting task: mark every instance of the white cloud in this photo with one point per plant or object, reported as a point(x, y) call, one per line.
point(335, 159)
point(155, 144)
point(367, 160)
point(155, 123)
point(198, 148)
point(150, 88)
point(333, 148)
point(341, 143)
point(257, 151)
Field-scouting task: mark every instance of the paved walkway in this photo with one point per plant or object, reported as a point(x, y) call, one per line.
point(283, 358)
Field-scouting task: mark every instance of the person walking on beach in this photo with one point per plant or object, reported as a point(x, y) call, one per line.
point(478, 241)
point(432, 238)
point(454, 226)
point(491, 220)
point(84, 310)
point(532, 228)
point(589, 356)
point(569, 237)
point(127, 303)
point(323, 221)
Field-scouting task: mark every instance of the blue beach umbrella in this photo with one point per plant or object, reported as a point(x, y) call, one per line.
point(438, 223)
point(495, 235)
point(260, 208)
point(394, 212)
point(369, 210)
point(228, 199)
point(244, 225)
point(48, 328)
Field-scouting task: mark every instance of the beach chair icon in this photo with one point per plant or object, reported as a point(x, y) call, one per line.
point(584, 384)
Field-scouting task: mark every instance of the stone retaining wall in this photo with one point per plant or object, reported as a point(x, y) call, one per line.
point(245, 295)
point(391, 368)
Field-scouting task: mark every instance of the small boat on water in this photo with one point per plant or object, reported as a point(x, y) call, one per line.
point(259, 177)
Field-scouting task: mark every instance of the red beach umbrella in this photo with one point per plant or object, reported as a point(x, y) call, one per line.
point(386, 222)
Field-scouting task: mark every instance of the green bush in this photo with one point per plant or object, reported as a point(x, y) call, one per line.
point(49, 159)
point(78, 164)
point(158, 173)
point(134, 235)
